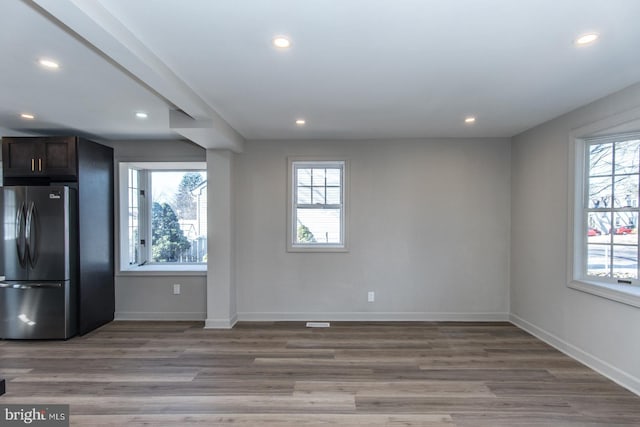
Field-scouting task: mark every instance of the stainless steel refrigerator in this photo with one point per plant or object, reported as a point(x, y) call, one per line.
point(38, 297)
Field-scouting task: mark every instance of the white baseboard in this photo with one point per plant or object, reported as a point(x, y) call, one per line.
point(304, 316)
point(373, 317)
point(221, 323)
point(163, 316)
point(622, 378)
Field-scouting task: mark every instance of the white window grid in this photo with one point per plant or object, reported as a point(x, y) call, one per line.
point(611, 217)
point(322, 189)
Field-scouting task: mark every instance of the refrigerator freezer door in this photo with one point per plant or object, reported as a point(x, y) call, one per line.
point(47, 234)
point(14, 224)
point(37, 311)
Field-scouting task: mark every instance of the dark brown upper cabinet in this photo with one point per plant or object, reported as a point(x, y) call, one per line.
point(53, 158)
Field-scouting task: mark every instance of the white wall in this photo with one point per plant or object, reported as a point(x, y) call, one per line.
point(597, 331)
point(150, 296)
point(221, 291)
point(429, 233)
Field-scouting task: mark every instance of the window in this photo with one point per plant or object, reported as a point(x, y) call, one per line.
point(163, 215)
point(605, 234)
point(133, 217)
point(611, 210)
point(317, 205)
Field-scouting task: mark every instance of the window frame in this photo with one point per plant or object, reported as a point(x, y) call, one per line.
point(626, 125)
point(611, 209)
point(316, 162)
point(145, 214)
point(142, 217)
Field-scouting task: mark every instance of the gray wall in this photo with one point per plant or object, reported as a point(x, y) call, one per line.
point(150, 295)
point(602, 333)
point(429, 233)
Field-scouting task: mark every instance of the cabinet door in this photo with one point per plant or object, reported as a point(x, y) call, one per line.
point(59, 157)
point(45, 157)
point(19, 156)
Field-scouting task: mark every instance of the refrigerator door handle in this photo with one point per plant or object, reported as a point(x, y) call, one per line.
point(31, 235)
point(31, 285)
point(21, 241)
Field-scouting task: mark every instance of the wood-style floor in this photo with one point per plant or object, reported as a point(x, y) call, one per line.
point(283, 374)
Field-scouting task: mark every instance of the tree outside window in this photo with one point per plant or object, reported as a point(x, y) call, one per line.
point(167, 215)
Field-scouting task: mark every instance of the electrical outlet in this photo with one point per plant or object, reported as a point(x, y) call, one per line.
point(371, 296)
point(176, 289)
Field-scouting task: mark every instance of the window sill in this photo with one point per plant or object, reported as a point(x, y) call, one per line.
point(165, 270)
point(317, 249)
point(626, 294)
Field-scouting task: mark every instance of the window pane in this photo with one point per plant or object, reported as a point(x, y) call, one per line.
point(333, 176)
point(599, 260)
point(133, 223)
point(600, 192)
point(333, 195)
point(626, 156)
point(178, 216)
point(304, 195)
point(625, 231)
point(598, 227)
point(323, 225)
point(600, 159)
point(625, 262)
point(318, 176)
point(318, 196)
point(612, 209)
point(625, 190)
point(317, 204)
point(304, 177)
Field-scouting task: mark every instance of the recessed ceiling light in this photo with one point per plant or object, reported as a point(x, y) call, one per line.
point(49, 63)
point(300, 122)
point(27, 116)
point(470, 120)
point(586, 39)
point(281, 42)
point(141, 115)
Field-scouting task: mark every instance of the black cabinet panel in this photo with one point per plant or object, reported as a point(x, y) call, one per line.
point(18, 157)
point(96, 195)
point(52, 158)
point(60, 158)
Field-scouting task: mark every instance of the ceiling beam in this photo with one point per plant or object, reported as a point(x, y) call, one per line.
point(104, 32)
point(201, 131)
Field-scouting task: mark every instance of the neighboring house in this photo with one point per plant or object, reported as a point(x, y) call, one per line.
point(190, 228)
point(200, 192)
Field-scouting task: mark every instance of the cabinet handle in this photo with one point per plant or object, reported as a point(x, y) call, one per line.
point(33, 165)
point(39, 165)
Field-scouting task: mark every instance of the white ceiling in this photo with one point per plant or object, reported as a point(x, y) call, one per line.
point(356, 69)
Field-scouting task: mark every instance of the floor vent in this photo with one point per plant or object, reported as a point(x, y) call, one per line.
point(318, 324)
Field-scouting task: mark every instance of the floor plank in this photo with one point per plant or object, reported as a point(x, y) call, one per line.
point(284, 374)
